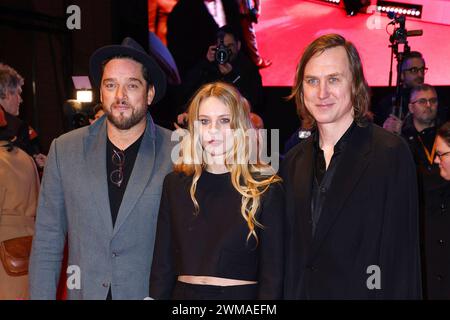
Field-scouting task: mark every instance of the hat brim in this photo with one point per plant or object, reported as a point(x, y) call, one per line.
point(156, 74)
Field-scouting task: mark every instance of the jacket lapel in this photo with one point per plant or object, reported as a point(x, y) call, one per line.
point(95, 151)
point(352, 165)
point(141, 174)
point(302, 194)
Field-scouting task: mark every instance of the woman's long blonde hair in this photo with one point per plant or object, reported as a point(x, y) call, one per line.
point(191, 161)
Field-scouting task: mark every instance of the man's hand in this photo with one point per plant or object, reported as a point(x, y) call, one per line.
point(393, 124)
point(211, 54)
point(225, 68)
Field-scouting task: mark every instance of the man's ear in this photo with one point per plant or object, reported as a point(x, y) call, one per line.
point(410, 107)
point(239, 45)
point(150, 94)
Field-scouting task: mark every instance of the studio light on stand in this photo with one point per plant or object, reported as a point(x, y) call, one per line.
point(77, 111)
point(84, 96)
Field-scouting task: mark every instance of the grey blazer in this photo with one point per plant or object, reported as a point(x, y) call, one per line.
point(74, 201)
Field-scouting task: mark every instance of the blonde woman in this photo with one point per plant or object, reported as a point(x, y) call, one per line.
point(220, 224)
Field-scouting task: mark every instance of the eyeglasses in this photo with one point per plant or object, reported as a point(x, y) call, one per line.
point(118, 159)
point(423, 101)
point(442, 154)
point(417, 70)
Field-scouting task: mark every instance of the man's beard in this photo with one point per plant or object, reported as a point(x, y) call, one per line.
point(123, 123)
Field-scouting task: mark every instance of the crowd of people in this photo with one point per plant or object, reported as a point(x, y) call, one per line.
point(356, 210)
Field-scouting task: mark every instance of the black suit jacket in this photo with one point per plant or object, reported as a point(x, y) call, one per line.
point(191, 30)
point(370, 217)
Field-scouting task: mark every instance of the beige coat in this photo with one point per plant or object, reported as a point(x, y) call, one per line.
point(19, 187)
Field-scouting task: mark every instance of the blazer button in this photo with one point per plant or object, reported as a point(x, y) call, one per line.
point(323, 189)
point(441, 242)
point(114, 255)
point(105, 285)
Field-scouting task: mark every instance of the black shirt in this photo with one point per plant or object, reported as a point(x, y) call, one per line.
point(323, 177)
point(115, 192)
point(214, 241)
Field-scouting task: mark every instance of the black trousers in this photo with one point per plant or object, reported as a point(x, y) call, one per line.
point(187, 291)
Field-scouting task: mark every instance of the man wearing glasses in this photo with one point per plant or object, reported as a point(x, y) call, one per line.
point(412, 74)
point(102, 186)
point(420, 130)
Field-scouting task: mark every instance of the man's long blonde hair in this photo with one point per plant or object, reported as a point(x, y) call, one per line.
point(191, 161)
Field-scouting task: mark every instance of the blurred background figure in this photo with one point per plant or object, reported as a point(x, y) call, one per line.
point(224, 61)
point(19, 187)
point(419, 131)
point(97, 113)
point(192, 27)
point(158, 11)
point(25, 137)
point(412, 74)
point(250, 12)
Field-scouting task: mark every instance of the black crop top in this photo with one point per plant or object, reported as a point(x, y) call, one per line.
point(214, 242)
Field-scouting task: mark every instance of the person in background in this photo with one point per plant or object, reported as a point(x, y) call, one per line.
point(11, 83)
point(236, 69)
point(420, 132)
point(98, 112)
point(250, 12)
point(192, 26)
point(412, 74)
point(158, 11)
point(19, 188)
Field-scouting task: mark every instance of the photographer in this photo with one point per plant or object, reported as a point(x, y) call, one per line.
point(225, 62)
point(413, 71)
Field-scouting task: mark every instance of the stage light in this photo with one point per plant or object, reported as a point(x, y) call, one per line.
point(84, 95)
point(336, 2)
point(413, 10)
point(83, 88)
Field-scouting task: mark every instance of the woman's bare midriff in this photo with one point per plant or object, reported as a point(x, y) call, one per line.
point(214, 281)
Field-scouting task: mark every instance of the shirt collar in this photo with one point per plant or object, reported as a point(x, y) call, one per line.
point(342, 142)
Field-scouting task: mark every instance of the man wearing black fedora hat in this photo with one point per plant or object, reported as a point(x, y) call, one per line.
point(102, 185)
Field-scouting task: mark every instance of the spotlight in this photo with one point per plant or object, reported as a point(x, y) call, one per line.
point(84, 95)
point(413, 10)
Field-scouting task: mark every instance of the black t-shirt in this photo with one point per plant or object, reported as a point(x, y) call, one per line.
point(116, 190)
point(214, 241)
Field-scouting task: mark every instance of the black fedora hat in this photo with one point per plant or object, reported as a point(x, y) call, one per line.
point(130, 48)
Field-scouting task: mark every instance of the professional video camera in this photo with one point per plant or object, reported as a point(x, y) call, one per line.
point(399, 36)
point(223, 53)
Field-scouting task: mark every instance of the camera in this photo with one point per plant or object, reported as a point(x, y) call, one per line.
point(223, 54)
